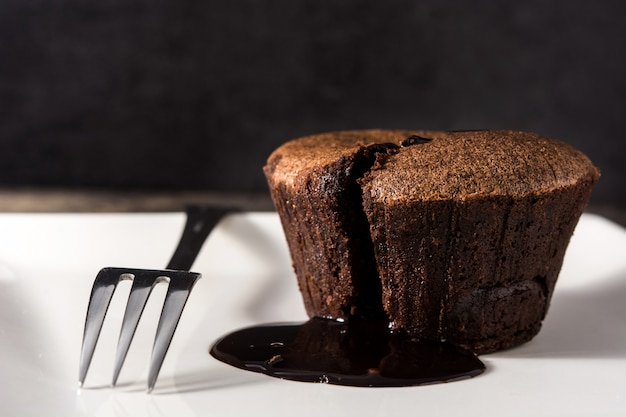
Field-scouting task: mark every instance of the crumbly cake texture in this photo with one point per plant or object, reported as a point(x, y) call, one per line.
point(451, 235)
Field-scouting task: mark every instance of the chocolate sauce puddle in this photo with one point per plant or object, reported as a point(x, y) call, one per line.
point(358, 353)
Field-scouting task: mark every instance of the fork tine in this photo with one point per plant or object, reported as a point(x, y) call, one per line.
point(101, 294)
point(178, 292)
point(137, 299)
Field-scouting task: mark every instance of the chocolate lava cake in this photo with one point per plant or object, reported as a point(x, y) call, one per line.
point(449, 235)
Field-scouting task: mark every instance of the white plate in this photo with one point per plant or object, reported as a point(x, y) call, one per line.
point(576, 366)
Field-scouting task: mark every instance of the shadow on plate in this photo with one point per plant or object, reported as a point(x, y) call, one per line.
point(586, 322)
point(214, 379)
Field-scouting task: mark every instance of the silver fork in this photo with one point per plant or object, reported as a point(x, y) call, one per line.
point(200, 221)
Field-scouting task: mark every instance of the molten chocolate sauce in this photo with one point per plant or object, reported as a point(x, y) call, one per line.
point(357, 353)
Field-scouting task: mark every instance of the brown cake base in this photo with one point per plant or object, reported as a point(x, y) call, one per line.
point(454, 262)
point(483, 271)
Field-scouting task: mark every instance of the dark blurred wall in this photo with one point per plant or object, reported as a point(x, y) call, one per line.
point(183, 94)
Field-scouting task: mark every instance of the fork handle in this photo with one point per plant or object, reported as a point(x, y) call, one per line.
point(201, 219)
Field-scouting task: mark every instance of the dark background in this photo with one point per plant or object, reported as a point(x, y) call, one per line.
point(170, 95)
